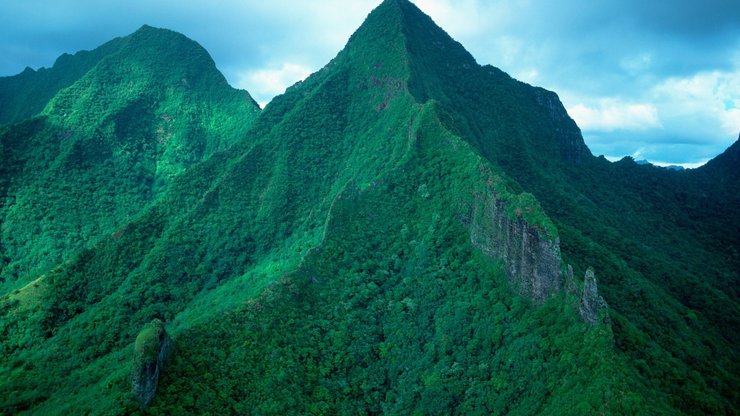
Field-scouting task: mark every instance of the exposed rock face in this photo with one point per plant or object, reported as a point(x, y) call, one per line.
point(532, 260)
point(152, 346)
point(570, 281)
point(591, 302)
point(572, 147)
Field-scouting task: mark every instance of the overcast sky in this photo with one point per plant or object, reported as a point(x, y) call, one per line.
point(652, 79)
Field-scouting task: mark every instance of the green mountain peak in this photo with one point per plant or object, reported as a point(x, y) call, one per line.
point(137, 112)
point(404, 232)
point(398, 40)
point(393, 34)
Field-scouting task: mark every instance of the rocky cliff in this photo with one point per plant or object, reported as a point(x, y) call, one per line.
point(570, 142)
point(591, 302)
point(152, 347)
point(531, 257)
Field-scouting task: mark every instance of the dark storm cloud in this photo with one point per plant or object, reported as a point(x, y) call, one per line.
point(634, 74)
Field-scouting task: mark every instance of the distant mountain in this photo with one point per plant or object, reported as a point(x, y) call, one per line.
point(404, 232)
point(670, 167)
point(675, 167)
point(109, 130)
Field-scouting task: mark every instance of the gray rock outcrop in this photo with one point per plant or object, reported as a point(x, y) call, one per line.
point(569, 139)
point(532, 260)
point(152, 347)
point(591, 302)
point(570, 281)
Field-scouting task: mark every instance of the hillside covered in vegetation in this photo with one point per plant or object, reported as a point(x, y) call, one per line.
point(404, 232)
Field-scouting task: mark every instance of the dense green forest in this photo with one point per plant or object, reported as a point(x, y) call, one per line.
point(107, 145)
point(404, 232)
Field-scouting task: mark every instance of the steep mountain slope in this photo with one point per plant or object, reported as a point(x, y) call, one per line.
point(368, 248)
point(678, 282)
point(273, 222)
point(26, 94)
point(141, 110)
point(663, 243)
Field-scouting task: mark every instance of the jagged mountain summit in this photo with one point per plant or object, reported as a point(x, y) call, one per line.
point(404, 232)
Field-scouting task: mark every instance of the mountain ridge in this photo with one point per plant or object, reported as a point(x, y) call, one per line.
point(65, 70)
point(118, 135)
point(369, 243)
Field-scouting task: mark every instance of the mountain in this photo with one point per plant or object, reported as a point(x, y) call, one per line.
point(26, 94)
point(403, 232)
point(671, 167)
point(725, 165)
point(120, 123)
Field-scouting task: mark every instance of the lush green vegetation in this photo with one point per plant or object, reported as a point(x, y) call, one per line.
point(664, 243)
point(149, 343)
point(320, 259)
point(26, 94)
point(108, 145)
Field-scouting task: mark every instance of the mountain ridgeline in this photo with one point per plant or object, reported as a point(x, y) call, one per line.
point(121, 123)
point(404, 232)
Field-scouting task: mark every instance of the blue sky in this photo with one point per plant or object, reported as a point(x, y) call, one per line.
point(657, 80)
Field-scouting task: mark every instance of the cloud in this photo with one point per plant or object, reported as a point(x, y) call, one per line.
point(704, 101)
point(263, 84)
point(464, 18)
point(677, 120)
point(612, 114)
point(636, 64)
point(657, 148)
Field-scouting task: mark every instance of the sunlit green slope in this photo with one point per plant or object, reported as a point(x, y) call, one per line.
point(388, 238)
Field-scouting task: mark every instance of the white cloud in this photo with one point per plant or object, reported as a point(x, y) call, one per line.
point(531, 75)
point(263, 84)
point(706, 100)
point(510, 50)
point(637, 64)
point(461, 18)
point(612, 114)
point(678, 120)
